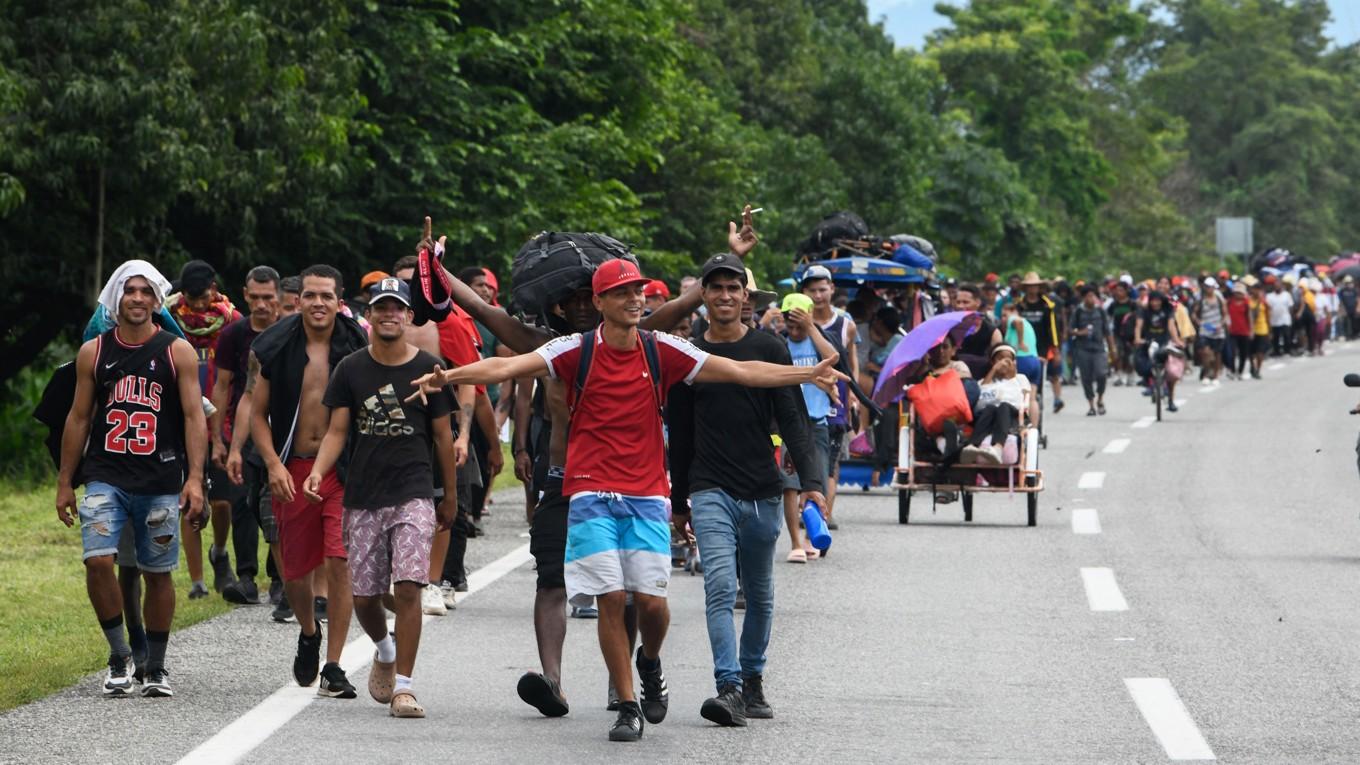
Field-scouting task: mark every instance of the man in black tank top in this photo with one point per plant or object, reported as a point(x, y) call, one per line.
point(143, 452)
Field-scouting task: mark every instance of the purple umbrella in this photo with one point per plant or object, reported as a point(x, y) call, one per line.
point(907, 361)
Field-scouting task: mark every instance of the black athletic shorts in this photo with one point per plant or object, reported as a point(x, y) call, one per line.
point(548, 535)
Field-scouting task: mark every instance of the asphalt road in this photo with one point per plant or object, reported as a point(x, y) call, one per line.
point(1212, 615)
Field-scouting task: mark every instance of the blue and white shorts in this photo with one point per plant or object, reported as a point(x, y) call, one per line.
point(617, 543)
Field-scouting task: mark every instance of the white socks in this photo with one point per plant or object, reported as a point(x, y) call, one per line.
point(403, 684)
point(387, 650)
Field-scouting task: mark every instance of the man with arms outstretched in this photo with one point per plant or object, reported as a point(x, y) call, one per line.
point(618, 538)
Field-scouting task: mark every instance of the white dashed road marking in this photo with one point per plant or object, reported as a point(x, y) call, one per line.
point(1085, 521)
point(1102, 592)
point(1145, 422)
point(248, 731)
point(1168, 718)
point(1091, 481)
point(1277, 366)
point(1117, 446)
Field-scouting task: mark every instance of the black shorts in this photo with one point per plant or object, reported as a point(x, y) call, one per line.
point(1260, 344)
point(835, 448)
point(548, 536)
point(222, 489)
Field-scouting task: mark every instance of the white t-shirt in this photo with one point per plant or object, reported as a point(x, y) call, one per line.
point(1281, 308)
point(1010, 391)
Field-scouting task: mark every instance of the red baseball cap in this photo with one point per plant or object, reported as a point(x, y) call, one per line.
point(492, 283)
point(615, 273)
point(656, 287)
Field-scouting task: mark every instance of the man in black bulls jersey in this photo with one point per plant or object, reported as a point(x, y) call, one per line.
point(143, 465)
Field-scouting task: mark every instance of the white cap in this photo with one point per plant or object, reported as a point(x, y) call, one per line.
point(1211, 282)
point(1126, 279)
point(815, 272)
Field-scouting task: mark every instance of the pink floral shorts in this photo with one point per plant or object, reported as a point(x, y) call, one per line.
point(389, 544)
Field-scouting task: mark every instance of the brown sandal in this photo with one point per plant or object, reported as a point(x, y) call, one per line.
point(404, 704)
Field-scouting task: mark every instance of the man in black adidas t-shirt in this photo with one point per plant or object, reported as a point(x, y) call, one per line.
point(723, 469)
point(390, 515)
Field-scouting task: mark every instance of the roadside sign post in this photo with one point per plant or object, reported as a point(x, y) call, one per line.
point(1233, 236)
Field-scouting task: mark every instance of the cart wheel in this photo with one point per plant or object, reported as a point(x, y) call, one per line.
point(967, 506)
point(1032, 504)
point(1157, 397)
point(1043, 441)
point(903, 505)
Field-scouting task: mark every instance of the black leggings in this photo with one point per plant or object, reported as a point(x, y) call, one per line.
point(1094, 366)
point(1242, 349)
point(995, 420)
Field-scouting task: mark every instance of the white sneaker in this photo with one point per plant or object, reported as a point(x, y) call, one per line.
point(432, 601)
point(449, 595)
point(118, 681)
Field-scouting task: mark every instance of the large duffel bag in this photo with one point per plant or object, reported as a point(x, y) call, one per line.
point(836, 226)
point(554, 264)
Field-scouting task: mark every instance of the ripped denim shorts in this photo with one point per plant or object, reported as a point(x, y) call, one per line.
point(105, 509)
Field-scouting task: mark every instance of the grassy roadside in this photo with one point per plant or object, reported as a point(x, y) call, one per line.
point(49, 638)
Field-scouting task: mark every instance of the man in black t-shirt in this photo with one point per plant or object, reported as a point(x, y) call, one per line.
point(390, 515)
point(723, 467)
point(232, 363)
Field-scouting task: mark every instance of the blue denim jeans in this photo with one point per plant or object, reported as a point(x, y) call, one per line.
point(106, 509)
point(737, 540)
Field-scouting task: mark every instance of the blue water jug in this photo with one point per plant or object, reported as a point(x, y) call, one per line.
point(817, 532)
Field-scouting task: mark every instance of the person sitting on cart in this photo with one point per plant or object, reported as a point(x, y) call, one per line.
point(1156, 324)
point(975, 349)
point(996, 415)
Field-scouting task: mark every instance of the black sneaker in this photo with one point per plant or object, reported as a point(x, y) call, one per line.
point(334, 683)
point(242, 592)
point(221, 565)
point(542, 693)
point(628, 726)
point(612, 701)
point(275, 592)
point(118, 682)
point(157, 684)
point(655, 696)
point(753, 691)
point(727, 709)
point(282, 611)
point(740, 605)
point(319, 609)
point(308, 657)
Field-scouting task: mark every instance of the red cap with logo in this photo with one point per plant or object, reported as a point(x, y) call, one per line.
point(615, 273)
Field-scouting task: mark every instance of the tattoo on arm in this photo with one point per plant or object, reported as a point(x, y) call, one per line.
point(252, 372)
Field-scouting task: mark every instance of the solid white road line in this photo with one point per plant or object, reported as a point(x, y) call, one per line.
point(248, 731)
point(1102, 593)
point(1208, 390)
point(1145, 422)
point(1117, 446)
point(1277, 366)
point(1168, 718)
point(1085, 521)
point(1091, 480)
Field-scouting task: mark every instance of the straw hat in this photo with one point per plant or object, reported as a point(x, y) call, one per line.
point(1032, 280)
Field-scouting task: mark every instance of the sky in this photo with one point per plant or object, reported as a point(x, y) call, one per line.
point(909, 21)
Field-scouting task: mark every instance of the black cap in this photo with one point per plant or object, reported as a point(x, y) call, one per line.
point(390, 287)
point(723, 262)
point(196, 278)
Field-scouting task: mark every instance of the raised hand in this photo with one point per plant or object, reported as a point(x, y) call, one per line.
point(741, 241)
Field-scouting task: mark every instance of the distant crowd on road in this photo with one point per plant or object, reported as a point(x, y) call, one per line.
point(359, 431)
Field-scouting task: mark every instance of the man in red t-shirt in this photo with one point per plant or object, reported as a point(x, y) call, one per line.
point(618, 539)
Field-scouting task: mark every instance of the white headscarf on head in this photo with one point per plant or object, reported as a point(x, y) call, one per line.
point(113, 288)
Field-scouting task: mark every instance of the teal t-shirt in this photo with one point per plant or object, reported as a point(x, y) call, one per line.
point(1013, 340)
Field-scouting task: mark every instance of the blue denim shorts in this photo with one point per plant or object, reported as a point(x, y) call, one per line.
point(105, 510)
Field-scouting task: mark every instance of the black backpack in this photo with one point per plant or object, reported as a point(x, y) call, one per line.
point(60, 392)
point(649, 350)
point(832, 228)
point(552, 265)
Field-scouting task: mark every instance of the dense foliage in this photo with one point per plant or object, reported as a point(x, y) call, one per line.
point(1074, 136)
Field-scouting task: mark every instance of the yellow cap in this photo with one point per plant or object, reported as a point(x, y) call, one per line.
point(796, 300)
